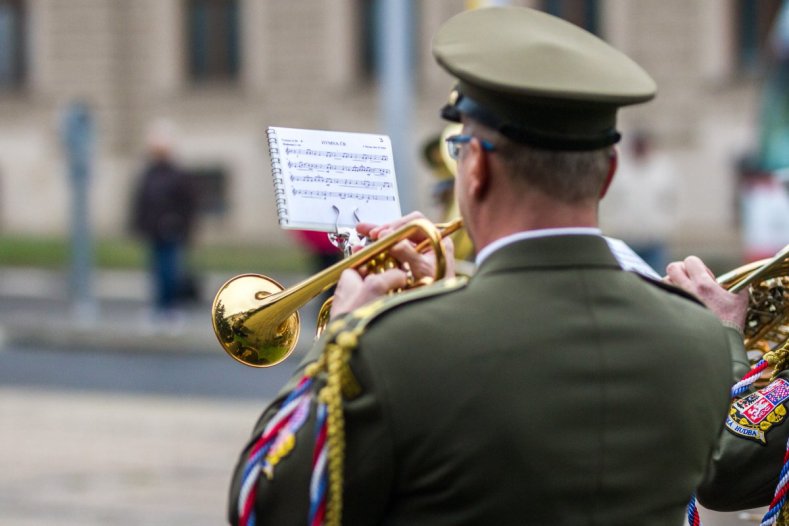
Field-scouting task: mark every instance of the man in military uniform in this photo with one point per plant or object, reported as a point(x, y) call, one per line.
point(746, 468)
point(553, 386)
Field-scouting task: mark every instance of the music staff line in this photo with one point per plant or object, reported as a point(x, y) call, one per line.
point(360, 183)
point(321, 194)
point(359, 168)
point(336, 155)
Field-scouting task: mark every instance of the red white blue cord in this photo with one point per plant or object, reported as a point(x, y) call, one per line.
point(749, 379)
point(290, 417)
point(320, 475)
point(780, 493)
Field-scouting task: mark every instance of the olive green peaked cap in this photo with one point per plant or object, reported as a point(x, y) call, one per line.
point(536, 78)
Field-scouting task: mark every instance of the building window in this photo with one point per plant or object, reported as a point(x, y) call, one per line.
point(210, 187)
point(12, 43)
point(368, 47)
point(754, 19)
point(583, 13)
point(213, 35)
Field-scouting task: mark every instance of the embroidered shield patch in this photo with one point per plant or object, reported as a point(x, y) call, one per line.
point(754, 415)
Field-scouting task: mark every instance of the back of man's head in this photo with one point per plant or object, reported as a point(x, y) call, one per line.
point(544, 91)
point(567, 176)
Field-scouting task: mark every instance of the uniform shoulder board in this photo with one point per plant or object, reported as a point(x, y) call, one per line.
point(670, 288)
point(342, 335)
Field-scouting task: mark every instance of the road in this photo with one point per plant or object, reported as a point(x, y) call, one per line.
point(172, 374)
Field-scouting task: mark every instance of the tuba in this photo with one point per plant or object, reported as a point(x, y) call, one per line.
point(256, 319)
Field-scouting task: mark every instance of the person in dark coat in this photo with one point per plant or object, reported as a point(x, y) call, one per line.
point(164, 215)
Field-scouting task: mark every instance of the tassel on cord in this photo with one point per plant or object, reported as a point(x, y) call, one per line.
point(329, 456)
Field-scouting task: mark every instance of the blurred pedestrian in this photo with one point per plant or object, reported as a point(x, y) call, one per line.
point(164, 214)
point(641, 205)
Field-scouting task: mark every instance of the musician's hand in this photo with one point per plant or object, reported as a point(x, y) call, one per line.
point(354, 290)
point(693, 276)
point(422, 264)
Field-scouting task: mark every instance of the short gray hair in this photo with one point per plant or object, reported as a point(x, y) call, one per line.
point(567, 176)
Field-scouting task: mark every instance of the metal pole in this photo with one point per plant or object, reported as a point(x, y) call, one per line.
point(394, 23)
point(77, 132)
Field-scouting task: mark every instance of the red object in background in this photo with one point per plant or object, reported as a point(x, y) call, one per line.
point(316, 242)
point(765, 216)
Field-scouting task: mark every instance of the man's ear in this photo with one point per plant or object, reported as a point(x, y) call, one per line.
point(613, 163)
point(477, 172)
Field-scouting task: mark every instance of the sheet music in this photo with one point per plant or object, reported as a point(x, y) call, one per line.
point(629, 260)
point(325, 179)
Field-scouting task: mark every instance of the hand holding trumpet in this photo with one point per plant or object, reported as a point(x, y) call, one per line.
point(357, 287)
point(693, 276)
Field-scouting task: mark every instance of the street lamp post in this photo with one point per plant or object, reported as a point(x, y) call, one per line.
point(77, 134)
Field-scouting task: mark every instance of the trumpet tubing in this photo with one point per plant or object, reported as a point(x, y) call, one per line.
point(767, 319)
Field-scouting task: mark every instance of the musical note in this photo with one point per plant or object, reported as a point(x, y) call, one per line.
point(318, 167)
point(336, 155)
point(323, 194)
point(338, 181)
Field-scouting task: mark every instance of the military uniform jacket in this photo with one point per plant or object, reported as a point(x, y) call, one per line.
point(553, 388)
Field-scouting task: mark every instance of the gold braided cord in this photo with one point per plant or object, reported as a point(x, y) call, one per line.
point(341, 383)
point(779, 359)
point(337, 355)
point(783, 517)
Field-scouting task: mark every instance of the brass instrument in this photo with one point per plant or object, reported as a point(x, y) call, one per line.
point(256, 319)
point(767, 319)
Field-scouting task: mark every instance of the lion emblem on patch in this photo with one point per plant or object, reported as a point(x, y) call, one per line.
point(754, 415)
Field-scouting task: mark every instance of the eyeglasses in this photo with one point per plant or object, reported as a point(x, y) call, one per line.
point(454, 142)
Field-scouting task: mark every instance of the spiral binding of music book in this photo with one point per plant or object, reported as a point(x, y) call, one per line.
point(276, 173)
point(324, 180)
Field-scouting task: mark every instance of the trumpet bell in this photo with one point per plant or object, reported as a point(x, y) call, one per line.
point(244, 331)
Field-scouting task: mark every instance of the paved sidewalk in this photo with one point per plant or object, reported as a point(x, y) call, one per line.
point(93, 459)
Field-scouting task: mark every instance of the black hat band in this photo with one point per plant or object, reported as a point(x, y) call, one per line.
point(464, 105)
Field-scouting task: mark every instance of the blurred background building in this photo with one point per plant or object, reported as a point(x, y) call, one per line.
point(223, 70)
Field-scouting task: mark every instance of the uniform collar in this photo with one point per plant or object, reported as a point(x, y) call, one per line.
point(533, 234)
point(550, 251)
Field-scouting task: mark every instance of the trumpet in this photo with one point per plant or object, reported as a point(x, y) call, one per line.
point(256, 319)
